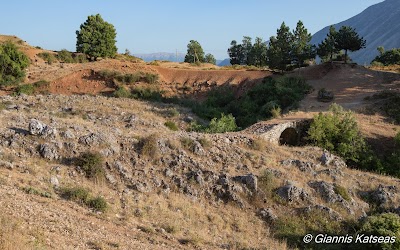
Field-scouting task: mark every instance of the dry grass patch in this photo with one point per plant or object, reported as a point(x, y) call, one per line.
point(198, 224)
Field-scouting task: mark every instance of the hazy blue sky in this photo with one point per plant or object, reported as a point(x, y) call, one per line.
point(148, 26)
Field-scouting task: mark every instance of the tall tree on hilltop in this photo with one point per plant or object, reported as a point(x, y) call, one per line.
point(96, 38)
point(258, 54)
point(347, 39)
point(328, 47)
point(235, 53)
point(195, 53)
point(247, 46)
point(279, 51)
point(209, 58)
point(302, 50)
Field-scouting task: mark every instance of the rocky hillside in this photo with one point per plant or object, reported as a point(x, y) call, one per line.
point(153, 188)
point(378, 24)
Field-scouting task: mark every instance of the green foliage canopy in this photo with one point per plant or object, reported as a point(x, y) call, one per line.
point(338, 132)
point(195, 53)
point(347, 39)
point(96, 38)
point(209, 58)
point(13, 63)
point(389, 57)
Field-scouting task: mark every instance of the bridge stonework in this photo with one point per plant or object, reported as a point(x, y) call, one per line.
point(290, 132)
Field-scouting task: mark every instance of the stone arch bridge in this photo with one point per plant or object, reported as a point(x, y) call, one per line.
point(290, 132)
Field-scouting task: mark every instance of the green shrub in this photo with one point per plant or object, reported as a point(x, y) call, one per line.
point(261, 102)
point(31, 190)
point(171, 125)
point(338, 132)
point(147, 94)
point(98, 204)
point(82, 196)
point(276, 112)
point(389, 57)
point(92, 164)
point(389, 103)
point(77, 194)
point(267, 182)
point(80, 58)
point(27, 89)
point(151, 78)
point(325, 95)
point(342, 192)
point(121, 92)
point(129, 78)
point(293, 228)
point(65, 56)
point(387, 224)
point(41, 87)
point(13, 64)
point(48, 57)
point(224, 124)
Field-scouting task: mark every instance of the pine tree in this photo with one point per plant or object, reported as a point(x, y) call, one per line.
point(302, 49)
point(96, 38)
point(347, 39)
point(328, 47)
point(279, 50)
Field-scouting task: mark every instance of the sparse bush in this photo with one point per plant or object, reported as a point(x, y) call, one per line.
point(92, 164)
point(48, 57)
point(187, 143)
point(276, 112)
point(292, 228)
point(129, 78)
point(147, 94)
point(267, 183)
point(325, 95)
point(205, 143)
point(149, 146)
point(77, 194)
point(171, 125)
point(342, 191)
point(258, 144)
point(172, 112)
point(121, 92)
point(389, 103)
point(13, 64)
point(151, 78)
point(82, 196)
point(31, 190)
point(80, 58)
point(41, 87)
point(26, 89)
point(65, 56)
point(98, 204)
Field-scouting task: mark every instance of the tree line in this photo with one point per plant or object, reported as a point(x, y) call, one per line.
point(292, 49)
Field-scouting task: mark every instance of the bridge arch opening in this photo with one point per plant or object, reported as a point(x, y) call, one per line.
point(289, 137)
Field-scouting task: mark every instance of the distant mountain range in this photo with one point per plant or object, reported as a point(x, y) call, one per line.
point(162, 56)
point(172, 57)
point(379, 25)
